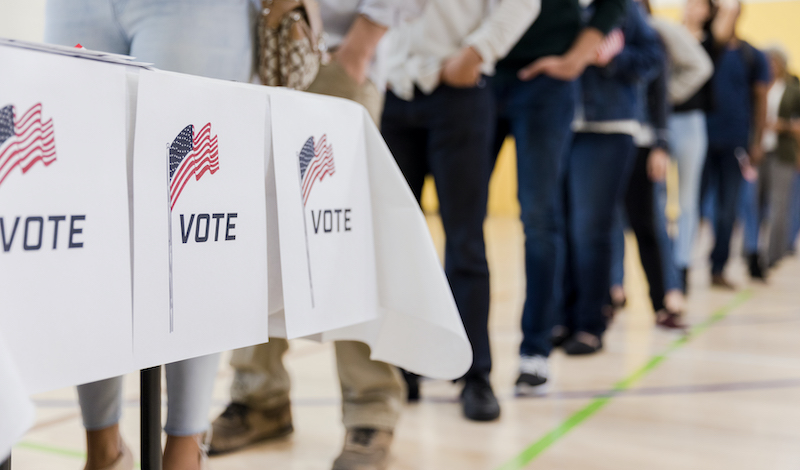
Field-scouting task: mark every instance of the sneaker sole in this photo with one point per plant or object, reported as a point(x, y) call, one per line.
point(283, 432)
point(525, 390)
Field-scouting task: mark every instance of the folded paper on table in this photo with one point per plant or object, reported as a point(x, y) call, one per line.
point(416, 324)
point(324, 212)
point(419, 327)
point(16, 408)
point(65, 274)
point(200, 224)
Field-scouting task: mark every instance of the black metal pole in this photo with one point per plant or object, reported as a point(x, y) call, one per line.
point(7, 464)
point(151, 418)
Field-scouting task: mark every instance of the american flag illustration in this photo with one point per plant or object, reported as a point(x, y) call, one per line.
point(611, 46)
point(191, 155)
point(25, 141)
point(316, 161)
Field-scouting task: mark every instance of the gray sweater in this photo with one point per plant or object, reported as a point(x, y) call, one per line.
point(689, 65)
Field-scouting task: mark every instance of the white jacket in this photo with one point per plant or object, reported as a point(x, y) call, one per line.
point(416, 50)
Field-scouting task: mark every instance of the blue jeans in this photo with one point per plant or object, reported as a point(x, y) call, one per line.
point(597, 172)
point(212, 38)
point(752, 211)
point(722, 179)
point(689, 144)
point(449, 135)
point(672, 278)
point(618, 246)
point(794, 212)
point(538, 114)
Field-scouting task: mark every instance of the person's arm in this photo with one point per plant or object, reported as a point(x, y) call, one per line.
point(642, 58)
point(723, 27)
point(490, 42)
point(658, 160)
point(358, 47)
point(760, 88)
point(691, 67)
point(583, 51)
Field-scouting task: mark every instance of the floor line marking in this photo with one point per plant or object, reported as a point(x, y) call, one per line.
point(57, 451)
point(535, 449)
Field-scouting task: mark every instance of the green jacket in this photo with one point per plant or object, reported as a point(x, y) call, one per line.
point(789, 109)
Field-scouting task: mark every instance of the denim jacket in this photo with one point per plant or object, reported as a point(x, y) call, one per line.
point(611, 93)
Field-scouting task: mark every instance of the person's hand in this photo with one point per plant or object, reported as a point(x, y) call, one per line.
point(355, 65)
point(462, 70)
point(657, 165)
point(558, 67)
point(756, 154)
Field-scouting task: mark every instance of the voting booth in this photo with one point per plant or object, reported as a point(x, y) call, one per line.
point(148, 217)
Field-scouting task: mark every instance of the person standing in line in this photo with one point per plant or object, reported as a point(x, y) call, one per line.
point(687, 68)
point(535, 94)
point(598, 168)
point(211, 39)
point(712, 25)
point(782, 153)
point(439, 119)
point(373, 392)
point(735, 130)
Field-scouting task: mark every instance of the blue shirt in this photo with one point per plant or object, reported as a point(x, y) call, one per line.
point(729, 121)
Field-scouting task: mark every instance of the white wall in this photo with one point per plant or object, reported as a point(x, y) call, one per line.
point(22, 19)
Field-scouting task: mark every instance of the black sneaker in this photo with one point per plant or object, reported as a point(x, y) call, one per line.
point(478, 400)
point(582, 344)
point(533, 375)
point(558, 335)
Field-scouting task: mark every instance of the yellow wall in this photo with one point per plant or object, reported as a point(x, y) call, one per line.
point(762, 24)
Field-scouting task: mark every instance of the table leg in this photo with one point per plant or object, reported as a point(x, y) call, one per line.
point(151, 418)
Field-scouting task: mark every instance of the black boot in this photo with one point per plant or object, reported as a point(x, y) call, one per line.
point(412, 384)
point(756, 271)
point(478, 400)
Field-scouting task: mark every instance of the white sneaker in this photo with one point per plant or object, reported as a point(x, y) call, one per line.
point(533, 375)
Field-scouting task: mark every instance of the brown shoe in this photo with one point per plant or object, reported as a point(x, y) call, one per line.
point(240, 425)
point(718, 280)
point(670, 320)
point(364, 449)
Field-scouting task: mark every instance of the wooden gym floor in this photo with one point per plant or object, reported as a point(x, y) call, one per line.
point(727, 398)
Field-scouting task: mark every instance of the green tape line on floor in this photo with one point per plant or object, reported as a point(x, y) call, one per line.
point(534, 450)
point(76, 454)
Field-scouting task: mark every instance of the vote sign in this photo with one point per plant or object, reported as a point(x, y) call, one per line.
point(324, 211)
point(65, 259)
point(200, 240)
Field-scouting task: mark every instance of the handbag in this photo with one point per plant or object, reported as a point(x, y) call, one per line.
point(291, 45)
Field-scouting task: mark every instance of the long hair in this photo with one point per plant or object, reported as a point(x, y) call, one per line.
point(713, 8)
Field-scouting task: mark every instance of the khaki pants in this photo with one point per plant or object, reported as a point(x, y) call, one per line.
point(372, 392)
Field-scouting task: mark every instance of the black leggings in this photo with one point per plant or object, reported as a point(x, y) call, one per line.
point(640, 207)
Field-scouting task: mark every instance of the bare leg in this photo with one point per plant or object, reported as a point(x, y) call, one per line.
point(103, 447)
point(182, 453)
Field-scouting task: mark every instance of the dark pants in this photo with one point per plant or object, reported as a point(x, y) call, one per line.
point(597, 173)
point(722, 179)
point(538, 114)
point(449, 135)
point(640, 206)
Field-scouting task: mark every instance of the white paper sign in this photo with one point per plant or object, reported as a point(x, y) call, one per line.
point(65, 274)
point(419, 327)
point(200, 230)
point(325, 213)
point(15, 407)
